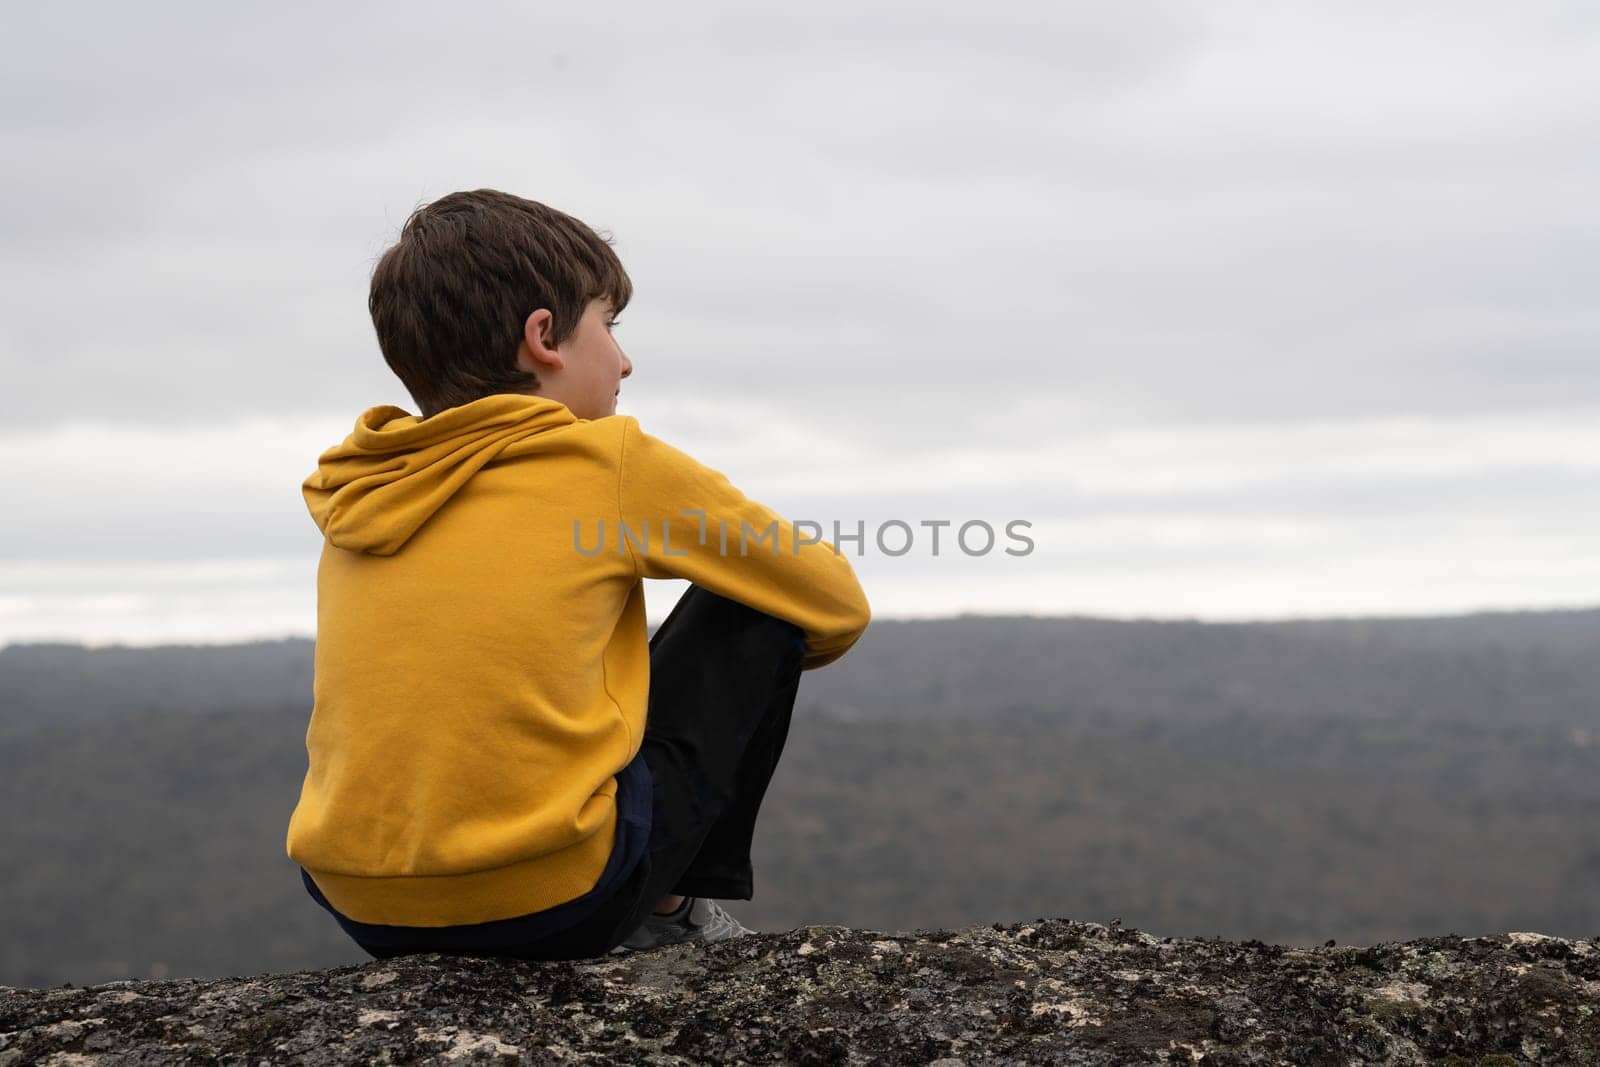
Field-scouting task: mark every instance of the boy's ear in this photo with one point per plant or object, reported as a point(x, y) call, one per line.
point(536, 333)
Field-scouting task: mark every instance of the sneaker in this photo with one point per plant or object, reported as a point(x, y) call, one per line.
point(697, 919)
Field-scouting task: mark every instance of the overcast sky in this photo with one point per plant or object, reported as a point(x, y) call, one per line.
point(1251, 310)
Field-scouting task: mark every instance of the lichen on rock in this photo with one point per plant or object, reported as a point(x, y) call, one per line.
point(1047, 991)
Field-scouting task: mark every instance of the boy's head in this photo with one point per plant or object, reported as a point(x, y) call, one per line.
point(486, 292)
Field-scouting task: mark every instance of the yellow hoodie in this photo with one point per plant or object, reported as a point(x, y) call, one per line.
point(482, 663)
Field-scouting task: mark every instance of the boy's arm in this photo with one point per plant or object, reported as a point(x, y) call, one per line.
point(661, 488)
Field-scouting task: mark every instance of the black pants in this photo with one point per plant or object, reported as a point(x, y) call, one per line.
point(723, 679)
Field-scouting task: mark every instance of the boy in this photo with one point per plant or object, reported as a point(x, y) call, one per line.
point(501, 761)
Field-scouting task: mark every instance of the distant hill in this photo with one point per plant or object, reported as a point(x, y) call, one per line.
point(1361, 779)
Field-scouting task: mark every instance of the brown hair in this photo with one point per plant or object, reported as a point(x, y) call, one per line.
point(449, 299)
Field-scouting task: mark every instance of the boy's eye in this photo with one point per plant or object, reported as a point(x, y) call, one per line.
point(613, 324)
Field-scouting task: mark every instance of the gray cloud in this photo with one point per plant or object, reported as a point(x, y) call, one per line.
point(874, 247)
point(1154, 209)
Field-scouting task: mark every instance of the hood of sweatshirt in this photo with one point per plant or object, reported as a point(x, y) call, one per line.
point(377, 487)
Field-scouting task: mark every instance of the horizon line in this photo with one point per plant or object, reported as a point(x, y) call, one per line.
point(60, 642)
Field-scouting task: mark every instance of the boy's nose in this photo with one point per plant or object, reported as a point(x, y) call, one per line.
point(627, 365)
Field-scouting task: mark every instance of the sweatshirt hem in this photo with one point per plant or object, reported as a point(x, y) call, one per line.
point(475, 897)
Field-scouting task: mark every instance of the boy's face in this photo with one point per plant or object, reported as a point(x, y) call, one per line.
point(586, 371)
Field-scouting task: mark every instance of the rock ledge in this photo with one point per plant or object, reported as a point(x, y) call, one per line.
point(1048, 991)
